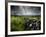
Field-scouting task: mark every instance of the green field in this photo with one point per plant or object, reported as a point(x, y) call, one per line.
point(18, 22)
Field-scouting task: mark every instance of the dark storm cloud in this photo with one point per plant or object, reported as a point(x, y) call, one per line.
point(25, 10)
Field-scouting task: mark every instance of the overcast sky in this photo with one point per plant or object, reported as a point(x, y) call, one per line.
point(25, 10)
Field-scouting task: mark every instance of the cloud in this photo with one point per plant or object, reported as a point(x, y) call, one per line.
point(25, 10)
